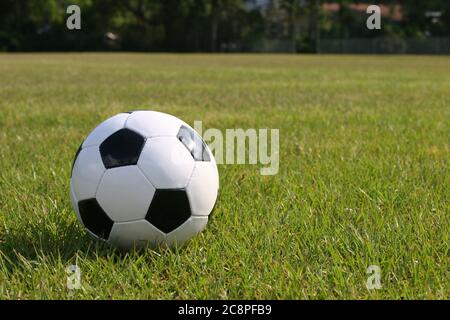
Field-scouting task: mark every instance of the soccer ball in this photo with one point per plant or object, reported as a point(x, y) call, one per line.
point(144, 178)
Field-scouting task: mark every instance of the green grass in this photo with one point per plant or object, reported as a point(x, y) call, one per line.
point(364, 175)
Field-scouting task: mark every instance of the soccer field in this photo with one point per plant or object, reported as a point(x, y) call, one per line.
point(363, 177)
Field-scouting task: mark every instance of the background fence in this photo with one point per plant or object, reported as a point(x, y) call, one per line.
point(386, 46)
point(349, 46)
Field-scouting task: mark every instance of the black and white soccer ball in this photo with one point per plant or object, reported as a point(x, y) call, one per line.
point(144, 178)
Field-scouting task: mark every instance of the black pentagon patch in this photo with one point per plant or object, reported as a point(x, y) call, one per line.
point(122, 148)
point(194, 143)
point(94, 218)
point(169, 209)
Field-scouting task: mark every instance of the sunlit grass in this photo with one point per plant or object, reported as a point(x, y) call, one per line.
point(364, 175)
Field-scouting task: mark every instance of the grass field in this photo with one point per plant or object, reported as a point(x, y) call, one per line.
point(363, 180)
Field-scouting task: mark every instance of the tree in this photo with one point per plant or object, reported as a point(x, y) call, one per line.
point(295, 10)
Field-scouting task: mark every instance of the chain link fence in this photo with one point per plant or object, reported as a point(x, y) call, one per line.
point(386, 46)
point(348, 46)
point(260, 46)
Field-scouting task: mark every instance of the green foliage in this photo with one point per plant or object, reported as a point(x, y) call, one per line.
point(200, 25)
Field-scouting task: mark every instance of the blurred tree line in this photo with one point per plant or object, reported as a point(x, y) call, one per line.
point(204, 25)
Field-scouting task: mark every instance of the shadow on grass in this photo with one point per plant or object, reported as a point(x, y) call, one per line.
point(44, 241)
point(62, 242)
